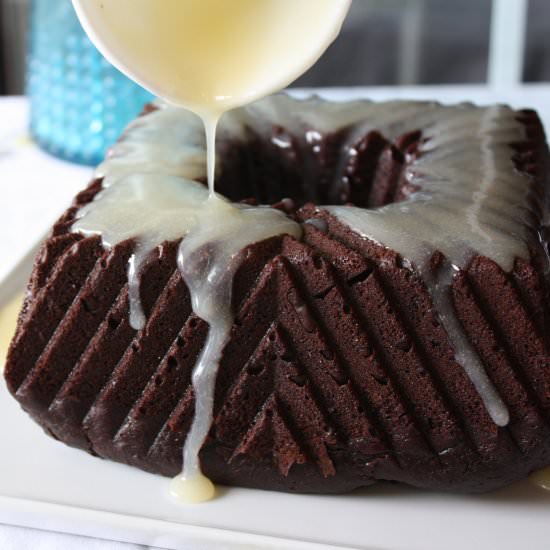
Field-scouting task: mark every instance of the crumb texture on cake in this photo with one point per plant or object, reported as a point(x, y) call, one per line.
point(339, 372)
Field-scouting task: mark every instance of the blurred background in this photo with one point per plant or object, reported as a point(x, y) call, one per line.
point(384, 42)
point(79, 104)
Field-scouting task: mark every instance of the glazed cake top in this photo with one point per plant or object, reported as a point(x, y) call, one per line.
point(470, 196)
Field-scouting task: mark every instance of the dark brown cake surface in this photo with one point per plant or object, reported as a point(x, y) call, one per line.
point(338, 372)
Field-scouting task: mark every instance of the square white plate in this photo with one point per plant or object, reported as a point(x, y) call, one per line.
point(46, 485)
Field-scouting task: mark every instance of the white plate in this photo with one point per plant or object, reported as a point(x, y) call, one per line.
point(47, 485)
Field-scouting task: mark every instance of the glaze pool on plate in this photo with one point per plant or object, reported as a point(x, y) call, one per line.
point(8, 322)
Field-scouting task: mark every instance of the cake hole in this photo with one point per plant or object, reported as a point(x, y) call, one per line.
point(254, 171)
point(180, 341)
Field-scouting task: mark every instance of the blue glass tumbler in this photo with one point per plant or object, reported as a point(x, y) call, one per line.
point(79, 102)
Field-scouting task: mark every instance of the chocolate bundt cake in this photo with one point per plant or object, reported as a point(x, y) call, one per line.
point(400, 334)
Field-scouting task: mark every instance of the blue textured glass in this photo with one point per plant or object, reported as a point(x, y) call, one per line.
point(79, 102)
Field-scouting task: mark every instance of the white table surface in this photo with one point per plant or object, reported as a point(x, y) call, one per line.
point(36, 188)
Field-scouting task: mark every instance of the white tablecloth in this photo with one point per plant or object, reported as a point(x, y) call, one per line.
point(36, 188)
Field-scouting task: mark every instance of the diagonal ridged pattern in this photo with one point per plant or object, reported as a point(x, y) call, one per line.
point(71, 337)
point(69, 274)
point(270, 439)
point(522, 339)
point(270, 395)
point(484, 331)
point(368, 299)
point(111, 340)
point(409, 300)
point(137, 365)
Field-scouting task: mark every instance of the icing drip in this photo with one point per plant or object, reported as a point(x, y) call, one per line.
point(210, 280)
point(439, 288)
point(137, 315)
point(210, 126)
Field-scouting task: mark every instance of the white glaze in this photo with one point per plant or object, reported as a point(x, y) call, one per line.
point(192, 490)
point(439, 288)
